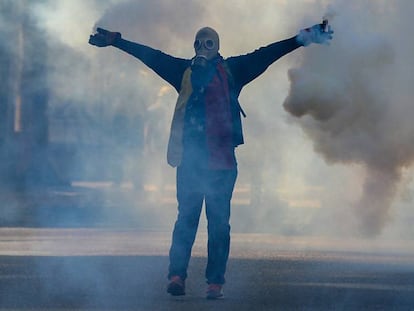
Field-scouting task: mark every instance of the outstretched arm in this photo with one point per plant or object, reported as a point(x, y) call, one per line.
point(169, 68)
point(246, 68)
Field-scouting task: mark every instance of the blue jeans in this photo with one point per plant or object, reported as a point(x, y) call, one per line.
point(194, 185)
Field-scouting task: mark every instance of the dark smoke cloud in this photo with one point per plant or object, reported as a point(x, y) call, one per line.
point(353, 100)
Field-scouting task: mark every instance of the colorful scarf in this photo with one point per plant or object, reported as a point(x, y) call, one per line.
point(219, 123)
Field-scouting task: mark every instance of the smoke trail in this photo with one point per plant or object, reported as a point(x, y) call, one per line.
point(159, 24)
point(353, 100)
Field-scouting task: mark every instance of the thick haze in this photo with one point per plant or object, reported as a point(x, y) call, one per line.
point(354, 102)
point(340, 164)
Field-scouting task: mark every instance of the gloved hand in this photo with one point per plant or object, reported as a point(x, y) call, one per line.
point(104, 37)
point(318, 33)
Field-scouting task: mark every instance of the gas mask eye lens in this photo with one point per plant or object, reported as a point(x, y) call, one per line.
point(197, 44)
point(209, 44)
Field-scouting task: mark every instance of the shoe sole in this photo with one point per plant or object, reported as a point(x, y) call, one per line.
point(176, 290)
point(214, 296)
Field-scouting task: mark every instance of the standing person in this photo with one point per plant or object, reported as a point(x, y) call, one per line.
point(205, 130)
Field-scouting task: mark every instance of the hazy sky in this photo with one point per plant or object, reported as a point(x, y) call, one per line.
point(344, 166)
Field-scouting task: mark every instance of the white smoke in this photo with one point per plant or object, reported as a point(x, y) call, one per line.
point(353, 101)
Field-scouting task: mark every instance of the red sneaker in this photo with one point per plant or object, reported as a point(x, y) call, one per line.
point(176, 287)
point(214, 291)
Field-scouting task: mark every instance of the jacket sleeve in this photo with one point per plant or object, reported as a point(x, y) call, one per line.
point(169, 68)
point(248, 67)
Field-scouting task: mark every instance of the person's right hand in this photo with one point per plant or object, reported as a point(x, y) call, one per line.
point(103, 37)
point(318, 33)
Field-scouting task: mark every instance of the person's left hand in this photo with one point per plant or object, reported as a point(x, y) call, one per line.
point(315, 34)
point(104, 37)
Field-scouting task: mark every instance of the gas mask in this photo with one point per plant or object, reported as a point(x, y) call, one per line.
point(206, 46)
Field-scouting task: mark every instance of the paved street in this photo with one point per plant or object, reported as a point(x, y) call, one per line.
point(109, 269)
point(92, 249)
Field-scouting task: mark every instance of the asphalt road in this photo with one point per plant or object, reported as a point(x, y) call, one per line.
point(77, 249)
point(88, 269)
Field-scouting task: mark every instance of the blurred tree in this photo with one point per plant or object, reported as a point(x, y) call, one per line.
point(23, 97)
